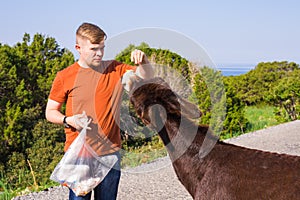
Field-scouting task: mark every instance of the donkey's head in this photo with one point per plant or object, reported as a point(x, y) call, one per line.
point(154, 102)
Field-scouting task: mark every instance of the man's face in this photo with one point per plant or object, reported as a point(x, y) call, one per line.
point(90, 54)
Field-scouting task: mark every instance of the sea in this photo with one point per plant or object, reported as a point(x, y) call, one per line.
point(235, 69)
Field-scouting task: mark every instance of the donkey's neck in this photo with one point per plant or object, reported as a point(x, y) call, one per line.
point(180, 134)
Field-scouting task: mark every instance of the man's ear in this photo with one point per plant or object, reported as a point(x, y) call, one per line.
point(77, 47)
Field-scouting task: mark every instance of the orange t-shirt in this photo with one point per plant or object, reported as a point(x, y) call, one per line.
point(98, 93)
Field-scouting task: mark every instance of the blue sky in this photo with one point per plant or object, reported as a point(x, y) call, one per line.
point(231, 31)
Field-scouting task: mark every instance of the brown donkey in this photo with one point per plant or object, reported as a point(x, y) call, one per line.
point(228, 172)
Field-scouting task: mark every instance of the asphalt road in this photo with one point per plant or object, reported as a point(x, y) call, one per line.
point(283, 138)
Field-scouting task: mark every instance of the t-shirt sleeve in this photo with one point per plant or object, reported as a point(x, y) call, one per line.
point(126, 68)
point(57, 91)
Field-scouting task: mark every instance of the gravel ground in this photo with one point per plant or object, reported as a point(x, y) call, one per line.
point(157, 180)
point(153, 181)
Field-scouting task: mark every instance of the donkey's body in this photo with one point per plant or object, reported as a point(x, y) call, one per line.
point(228, 171)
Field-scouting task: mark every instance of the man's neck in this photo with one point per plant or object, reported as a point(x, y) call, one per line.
point(82, 64)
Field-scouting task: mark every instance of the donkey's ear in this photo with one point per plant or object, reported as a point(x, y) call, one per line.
point(189, 109)
point(158, 116)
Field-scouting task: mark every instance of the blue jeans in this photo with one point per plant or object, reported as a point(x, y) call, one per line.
point(107, 189)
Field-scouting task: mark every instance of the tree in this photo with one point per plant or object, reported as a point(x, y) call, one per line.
point(286, 95)
point(235, 122)
point(255, 86)
point(26, 72)
point(218, 101)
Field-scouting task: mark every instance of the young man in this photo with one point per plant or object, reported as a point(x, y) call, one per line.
point(91, 88)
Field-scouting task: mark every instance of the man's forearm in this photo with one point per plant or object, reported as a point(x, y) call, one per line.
point(53, 113)
point(145, 71)
point(54, 116)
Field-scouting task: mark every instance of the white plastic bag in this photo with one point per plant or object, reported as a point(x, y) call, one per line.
point(81, 169)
